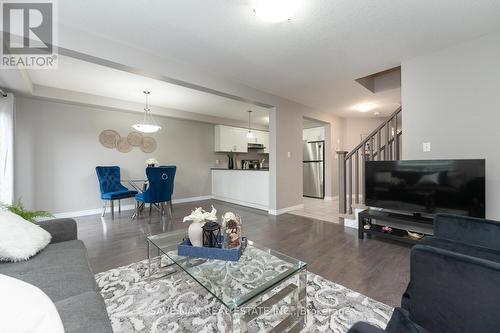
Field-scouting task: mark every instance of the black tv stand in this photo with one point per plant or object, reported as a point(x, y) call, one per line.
point(400, 224)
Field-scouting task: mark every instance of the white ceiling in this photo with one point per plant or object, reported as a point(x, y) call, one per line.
point(312, 59)
point(84, 77)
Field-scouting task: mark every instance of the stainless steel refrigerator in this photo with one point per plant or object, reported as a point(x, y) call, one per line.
point(314, 169)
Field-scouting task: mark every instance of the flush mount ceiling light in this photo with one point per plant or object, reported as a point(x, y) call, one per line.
point(148, 124)
point(276, 11)
point(249, 134)
point(364, 107)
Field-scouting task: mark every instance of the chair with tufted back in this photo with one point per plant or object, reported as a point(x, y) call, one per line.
point(160, 187)
point(111, 187)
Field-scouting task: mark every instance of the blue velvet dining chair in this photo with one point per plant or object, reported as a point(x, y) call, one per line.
point(112, 188)
point(160, 188)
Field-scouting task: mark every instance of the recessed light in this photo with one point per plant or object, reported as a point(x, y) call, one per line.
point(276, 11)
point(364, 107)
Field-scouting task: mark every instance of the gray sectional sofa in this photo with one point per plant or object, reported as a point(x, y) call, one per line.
point(63, 272)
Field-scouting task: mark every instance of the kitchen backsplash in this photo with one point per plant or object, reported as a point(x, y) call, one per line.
point(222, 157)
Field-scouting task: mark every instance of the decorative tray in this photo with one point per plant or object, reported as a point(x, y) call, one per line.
point(187, 250)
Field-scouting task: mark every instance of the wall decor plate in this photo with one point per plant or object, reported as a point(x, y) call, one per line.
point(123, 146)
point(109, 138)
point(135, 139)
point(148, 144)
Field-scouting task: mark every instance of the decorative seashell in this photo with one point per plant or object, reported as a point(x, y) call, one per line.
point(415, 235)
point(227, 217)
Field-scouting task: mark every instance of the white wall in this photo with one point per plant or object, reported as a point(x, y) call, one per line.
point(354, 127)
point(451, 98)
point(57, 150)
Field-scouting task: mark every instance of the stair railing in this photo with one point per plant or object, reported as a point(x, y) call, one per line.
point(384, 143)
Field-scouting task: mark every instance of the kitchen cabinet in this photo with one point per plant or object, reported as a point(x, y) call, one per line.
point(229, 138)
point(243, 187)
point(313, 134)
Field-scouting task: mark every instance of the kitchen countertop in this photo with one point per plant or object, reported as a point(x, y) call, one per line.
point(263, 169)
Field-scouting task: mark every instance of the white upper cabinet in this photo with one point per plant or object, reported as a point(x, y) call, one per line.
point(313, 134)
point(223, 138)
point(228, 138)
point(258, 137)
point(240, 141)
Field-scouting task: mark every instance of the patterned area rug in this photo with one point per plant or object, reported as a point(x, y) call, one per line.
point(177, 303)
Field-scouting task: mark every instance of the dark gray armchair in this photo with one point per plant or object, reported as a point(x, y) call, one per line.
point(454, 281)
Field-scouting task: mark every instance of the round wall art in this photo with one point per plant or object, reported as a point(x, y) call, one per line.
point(123, 146)
point(112, 139)
point(109, 138)
point(148, 144)
point(135, 139)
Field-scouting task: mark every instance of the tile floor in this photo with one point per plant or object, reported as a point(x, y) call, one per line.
point(318, 209)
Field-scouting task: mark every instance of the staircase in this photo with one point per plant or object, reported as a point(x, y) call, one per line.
point(383, 144)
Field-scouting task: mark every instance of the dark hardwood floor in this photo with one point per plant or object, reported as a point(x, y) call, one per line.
point(376, 268)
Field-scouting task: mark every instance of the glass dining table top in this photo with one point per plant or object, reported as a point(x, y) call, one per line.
point(233, 283)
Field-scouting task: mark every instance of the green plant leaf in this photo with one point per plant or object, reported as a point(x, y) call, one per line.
point(30, 215)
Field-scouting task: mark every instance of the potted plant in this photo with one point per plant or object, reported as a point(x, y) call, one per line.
point(152, 162)
point(29, 215)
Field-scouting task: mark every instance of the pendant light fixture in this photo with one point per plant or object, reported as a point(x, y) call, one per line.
point(249, 134)
point(148, 124)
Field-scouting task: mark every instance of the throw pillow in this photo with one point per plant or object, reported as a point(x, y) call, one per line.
point(20, 239)
point(25, 308)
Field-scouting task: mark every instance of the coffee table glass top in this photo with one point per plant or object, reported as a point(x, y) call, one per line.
point(233, 283)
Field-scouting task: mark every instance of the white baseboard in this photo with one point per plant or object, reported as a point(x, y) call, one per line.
point(241, 203)
point(285, 210)
point(331, 198)
point(191, 199)
point(96, 211)
point(92, 211)
point(124, 207)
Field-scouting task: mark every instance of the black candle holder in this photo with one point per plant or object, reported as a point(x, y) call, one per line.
point(211, 235)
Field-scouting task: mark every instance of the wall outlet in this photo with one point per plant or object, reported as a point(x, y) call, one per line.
point(289, 154)
point(426, 147)
point(217, 162)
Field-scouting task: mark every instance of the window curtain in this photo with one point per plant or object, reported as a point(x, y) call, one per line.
point(7, 149)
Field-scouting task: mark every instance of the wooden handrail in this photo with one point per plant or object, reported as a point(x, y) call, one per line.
point(373, 133)
point(390, 149)
point(390, 142)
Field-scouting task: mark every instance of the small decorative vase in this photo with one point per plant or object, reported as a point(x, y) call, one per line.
point(230, 163)
point(195, 233)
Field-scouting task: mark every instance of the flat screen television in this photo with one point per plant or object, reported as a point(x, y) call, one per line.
point(427, 186)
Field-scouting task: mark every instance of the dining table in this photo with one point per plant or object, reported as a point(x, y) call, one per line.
point(140, 185)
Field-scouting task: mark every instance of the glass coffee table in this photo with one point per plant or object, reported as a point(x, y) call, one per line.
point(262, 281)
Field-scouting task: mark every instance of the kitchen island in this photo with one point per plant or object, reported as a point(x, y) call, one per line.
point(246, 187)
